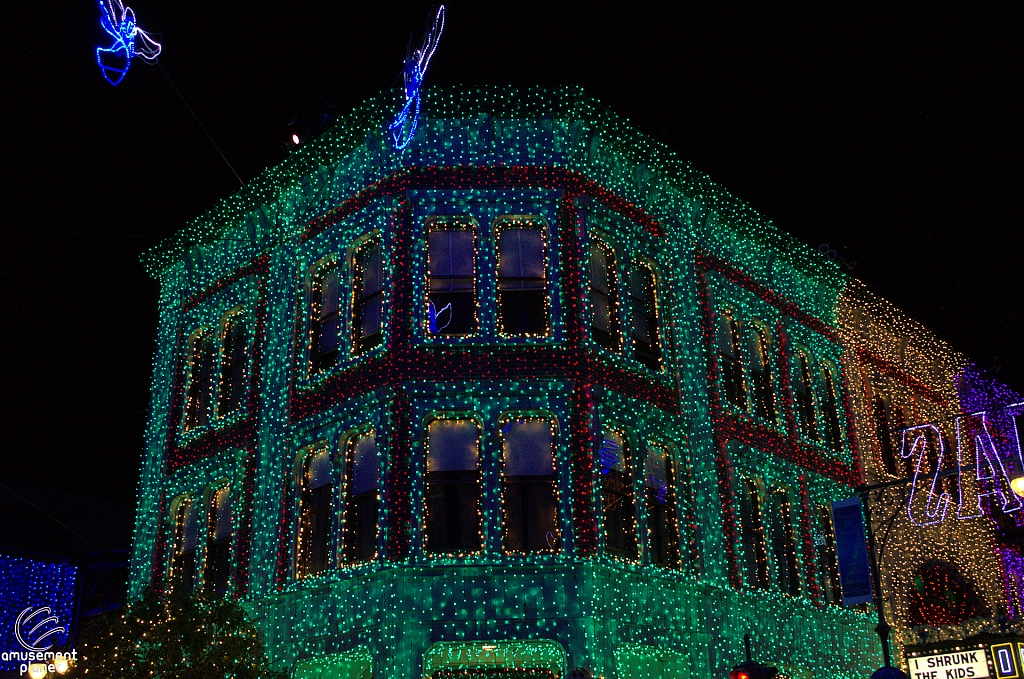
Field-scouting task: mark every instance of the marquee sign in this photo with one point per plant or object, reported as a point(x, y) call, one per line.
point(970, 664)
point(983, 660)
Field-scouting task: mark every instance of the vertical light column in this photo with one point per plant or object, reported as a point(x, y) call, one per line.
point(147, 517)
point(272, 445)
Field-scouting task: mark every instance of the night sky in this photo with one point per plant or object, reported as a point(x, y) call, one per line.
point(894, 137)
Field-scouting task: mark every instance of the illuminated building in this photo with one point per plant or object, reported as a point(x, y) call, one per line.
point(938, 566)
point(531, 393)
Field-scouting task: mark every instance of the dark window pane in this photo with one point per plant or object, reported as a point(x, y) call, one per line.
point(729, 361)
point(825, 551)
point(522, 283)
point(662, 526)
point(186, 538)
point(218, 549)
point(755, 551)
point(645, 317)
point(833, 430)
point(784, 545)
point(619, 515)
point(528, 494)
point(325, 324)
point(451, 281)
point(232, 376)
point(315, 518)
point(329, 292)
point(361, 505)
point(605, 321)
point(368, 298)
point(883, 434)
point(761, 380)
point(453, 487)
point(804, 399)
point(200, 392)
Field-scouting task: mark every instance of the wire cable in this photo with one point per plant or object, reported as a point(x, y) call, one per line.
point(200, 124)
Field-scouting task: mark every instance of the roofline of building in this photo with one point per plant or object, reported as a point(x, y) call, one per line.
point(568, 103)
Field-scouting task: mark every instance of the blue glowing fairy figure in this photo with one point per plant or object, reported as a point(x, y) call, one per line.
point(403, 127)
point(130, 41)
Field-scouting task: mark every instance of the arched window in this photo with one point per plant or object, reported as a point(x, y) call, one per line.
point(529, 497)
point(803, 397)
point(755, 551)
point(451, 277)
point(186, 540)
point(202, 357)
point(644, 303)
point(522, 279)
point(940, 595)
point(830, 409)
point(453, 514)
point(662, 524)
point(232, 368)
point(825, 551)
point(604, 300)
point(217, 566)
point(729, 360)
point(784, 544)
point(360, 509)
point(315, 520)
point(761, 379)
point(325, 325)
point(367, 298)
point(617, 497)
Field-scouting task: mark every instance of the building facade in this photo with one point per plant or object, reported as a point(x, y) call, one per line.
point(529, 396)
point(937, 555)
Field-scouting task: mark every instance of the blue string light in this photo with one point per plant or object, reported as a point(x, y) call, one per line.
point(403, 128)
point(118, 22)
point(37, 605)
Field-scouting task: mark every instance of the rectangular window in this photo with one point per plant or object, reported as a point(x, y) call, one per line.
point(830, 410)
point(529, 498)
point(451, 278)
point(761, 382)
point(453, 487)
point(617, 503)
point(522, 280)
point(200, 387)
point(825, 550)
point(362, 499)
point(784, 544)
point(326, 317)
point(186, 540)
point(604, 323)
point(729, 362)
point(642, 291)
point(368, 298)
point(217, 568)
point(803, 398)
point(232, 369)
point(662, 524)
point(755, 550)
point(315, 520)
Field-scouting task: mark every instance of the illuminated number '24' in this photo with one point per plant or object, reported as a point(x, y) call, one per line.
point(976, 445)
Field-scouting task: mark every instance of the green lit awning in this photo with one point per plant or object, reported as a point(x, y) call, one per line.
point(541, 654)
point(355, 664)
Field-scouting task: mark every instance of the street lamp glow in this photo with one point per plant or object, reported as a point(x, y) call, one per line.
point(1017, 486)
